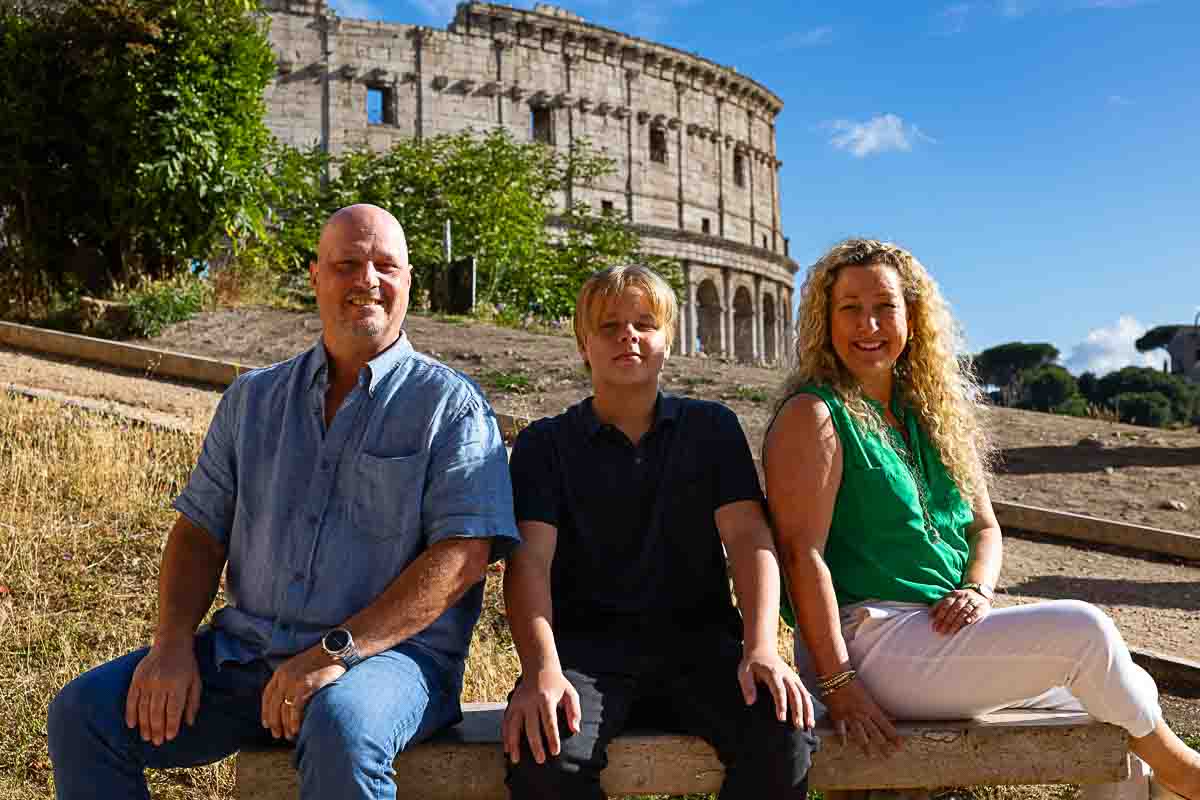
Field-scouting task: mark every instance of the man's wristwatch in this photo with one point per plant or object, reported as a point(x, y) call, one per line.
point(338, 644)
point(982, 589)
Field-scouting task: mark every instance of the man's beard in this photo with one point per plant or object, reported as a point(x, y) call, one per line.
point(366, 328)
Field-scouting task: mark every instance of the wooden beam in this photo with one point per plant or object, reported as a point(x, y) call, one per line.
point(466, 763)
point(149, 361)
point(1094, 529)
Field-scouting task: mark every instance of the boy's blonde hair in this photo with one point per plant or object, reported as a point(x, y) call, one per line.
point(602, 287)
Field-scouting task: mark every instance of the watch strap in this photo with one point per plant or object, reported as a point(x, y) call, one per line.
point(982, 589)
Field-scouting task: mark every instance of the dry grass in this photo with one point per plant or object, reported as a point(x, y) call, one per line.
point(85, 506)
point(83, 516)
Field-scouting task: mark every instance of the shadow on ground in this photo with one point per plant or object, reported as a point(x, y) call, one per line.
point(1175, 595)
point(1074, 458)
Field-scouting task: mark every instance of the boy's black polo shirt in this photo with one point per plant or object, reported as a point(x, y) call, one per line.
point(638, 560)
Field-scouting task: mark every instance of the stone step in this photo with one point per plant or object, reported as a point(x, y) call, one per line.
point(1026, 747)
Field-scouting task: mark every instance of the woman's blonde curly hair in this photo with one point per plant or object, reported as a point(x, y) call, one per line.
point(932, 376)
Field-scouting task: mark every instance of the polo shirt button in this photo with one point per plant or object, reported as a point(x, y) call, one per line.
point(324, 465)
point(312, 521)
point(637, 460)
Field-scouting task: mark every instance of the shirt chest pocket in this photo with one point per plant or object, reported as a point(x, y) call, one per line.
point(878, 499)
point(387, 495)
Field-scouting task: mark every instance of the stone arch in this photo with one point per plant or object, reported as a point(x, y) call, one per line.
point(769, 322)
point(743, 325)
point(708, 317)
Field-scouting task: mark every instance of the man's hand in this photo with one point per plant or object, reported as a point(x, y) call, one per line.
point(533, 708)
point(958, 609)
point(767, 668)
point(165, 689)
point(288, 691)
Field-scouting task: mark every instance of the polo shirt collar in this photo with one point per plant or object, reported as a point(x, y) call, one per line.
point(666, 409)
point(378, 367)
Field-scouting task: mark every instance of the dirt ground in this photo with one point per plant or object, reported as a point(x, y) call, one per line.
point(1087, 466)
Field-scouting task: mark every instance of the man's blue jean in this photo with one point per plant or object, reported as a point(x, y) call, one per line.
point(351, 732)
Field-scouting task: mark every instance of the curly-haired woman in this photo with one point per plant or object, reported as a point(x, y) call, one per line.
point(876, 467)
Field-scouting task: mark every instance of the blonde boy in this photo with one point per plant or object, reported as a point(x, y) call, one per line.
point(618, 597)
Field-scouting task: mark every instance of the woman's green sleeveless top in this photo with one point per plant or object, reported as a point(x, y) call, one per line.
point(886, 541)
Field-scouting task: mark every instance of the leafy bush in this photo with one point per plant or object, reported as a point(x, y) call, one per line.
point(1048, 386)
point(1089, 387)
point(500, 196)
point(133, 137)
point(153, 305)
point(1074, 406)
point(1143, 408)
point(1182, 396)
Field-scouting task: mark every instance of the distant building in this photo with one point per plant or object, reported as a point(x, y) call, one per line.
point(1184, 348)
point(697, 174)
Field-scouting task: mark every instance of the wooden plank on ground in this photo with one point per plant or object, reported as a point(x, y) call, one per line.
point(1094, 529)
point(1007, 748)
point(149, 361)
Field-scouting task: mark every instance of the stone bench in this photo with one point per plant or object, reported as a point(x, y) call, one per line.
point(1026, 747)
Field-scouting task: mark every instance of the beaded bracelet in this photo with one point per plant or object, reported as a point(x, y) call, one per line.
point(828, 686)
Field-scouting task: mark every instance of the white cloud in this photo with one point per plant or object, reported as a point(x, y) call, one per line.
point(813, 37)
point(438, 11)
point(1119, 100)
point(1020, 8)
point(1016, 8)
point(356, 9)
point(1112, 3)
point(880, 134)
point(1108, 349)
point(953, 19)
point(648, 18)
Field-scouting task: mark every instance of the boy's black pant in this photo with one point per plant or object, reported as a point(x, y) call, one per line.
point(694, 693)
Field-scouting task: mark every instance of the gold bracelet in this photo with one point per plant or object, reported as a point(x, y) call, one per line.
point(827, 692)
point(835, 681)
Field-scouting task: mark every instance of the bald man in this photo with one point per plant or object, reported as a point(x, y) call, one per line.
point(356, 494)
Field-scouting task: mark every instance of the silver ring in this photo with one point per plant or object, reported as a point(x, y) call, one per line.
point(287, 702)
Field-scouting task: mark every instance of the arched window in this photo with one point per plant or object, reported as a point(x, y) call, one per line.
point(658, 145)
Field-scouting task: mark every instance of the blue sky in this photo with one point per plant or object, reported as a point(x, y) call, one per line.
point(1041, 157)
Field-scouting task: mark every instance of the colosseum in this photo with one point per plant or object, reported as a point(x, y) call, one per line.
point(694, 141)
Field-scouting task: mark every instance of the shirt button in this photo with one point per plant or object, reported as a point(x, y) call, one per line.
point(312, 521)
point(324, 465)
point(638, 460)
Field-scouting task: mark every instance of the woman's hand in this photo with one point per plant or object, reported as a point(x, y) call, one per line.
point(855, 713)
point(958, 609)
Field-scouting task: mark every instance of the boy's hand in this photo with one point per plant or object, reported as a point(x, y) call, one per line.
point(767, 668)
point(533, 708)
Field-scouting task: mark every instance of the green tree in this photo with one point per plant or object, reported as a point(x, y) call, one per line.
point(133, 136)
point(500, 196)
point(1089, 387)
point(1143, 408)
point(1182, 397)
point(1155, 338)
point(1003, 365)
point(1048, 387)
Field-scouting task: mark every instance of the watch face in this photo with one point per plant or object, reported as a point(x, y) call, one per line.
point(336, 640)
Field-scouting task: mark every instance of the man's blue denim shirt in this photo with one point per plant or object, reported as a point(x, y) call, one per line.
point(317, 523)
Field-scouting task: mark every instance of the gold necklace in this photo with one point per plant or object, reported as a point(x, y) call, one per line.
point(901, 449)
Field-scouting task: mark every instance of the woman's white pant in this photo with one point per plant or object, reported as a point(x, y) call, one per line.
point(1060, 654)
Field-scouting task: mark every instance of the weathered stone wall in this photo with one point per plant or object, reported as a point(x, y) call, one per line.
point(709, 196)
